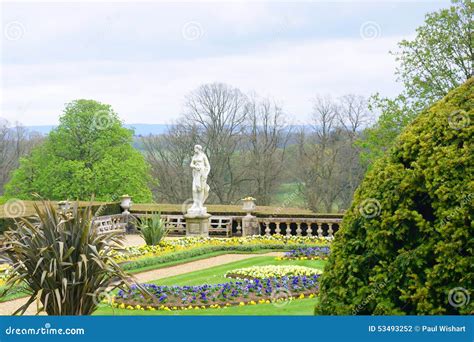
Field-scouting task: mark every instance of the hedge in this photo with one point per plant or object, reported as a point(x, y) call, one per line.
point(406, 245)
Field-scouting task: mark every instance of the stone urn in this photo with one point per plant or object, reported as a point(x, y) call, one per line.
point(248, 205)
point(64, 205)
point(126, 203)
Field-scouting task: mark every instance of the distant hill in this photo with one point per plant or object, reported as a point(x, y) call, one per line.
point(140, 129)
point(145, 129)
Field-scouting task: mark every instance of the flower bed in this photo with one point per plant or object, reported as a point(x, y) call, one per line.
point(272, 271)
point(307, 253)
point(246, 292)
point(188, 243)
point(5, 271)
point(172, 250)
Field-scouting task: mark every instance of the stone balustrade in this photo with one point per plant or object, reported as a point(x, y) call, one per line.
point(305, 226)
point(232, 225)
point(110, 223)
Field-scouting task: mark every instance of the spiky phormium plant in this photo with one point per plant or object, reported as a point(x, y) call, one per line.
point(62, 260)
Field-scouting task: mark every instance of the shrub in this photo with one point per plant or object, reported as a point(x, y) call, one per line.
point(406, 246)
point(152, 229)
point(63, 263)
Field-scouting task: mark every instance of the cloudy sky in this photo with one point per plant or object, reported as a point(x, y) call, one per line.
point(143, 58)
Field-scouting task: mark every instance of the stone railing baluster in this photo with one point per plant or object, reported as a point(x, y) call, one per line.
point(320, 229)
point(288, 228)
point(267, 228)
point(239, 226)
point(298, 228)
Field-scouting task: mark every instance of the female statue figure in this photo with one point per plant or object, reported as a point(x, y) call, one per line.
point(201, 168)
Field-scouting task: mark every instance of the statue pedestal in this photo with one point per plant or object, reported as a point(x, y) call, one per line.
point(250, 226)
point(197, 225)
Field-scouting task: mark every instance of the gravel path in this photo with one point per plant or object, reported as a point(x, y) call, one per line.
point(7, 308)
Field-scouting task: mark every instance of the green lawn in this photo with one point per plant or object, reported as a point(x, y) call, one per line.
point(199, 257)
point(216, 275)
point(288, 193)
point(297, 307)
point(14, 293)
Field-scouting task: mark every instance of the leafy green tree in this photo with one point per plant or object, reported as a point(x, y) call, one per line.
point(406, 244)
point(90, 152)
point(438, 59)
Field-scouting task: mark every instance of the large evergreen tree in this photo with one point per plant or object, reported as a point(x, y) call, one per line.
point(89, 153)
point(406, 245)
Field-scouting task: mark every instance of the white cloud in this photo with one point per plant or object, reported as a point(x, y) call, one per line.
point(132, 55)
point(153, 92)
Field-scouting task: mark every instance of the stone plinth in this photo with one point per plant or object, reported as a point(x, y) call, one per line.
point(197, 225)
point(250, 226)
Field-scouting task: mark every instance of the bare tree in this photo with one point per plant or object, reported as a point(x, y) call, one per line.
point(218, 111)
point(169, 156)
point(268, 138)
point(318, 157)
point(353, 115)
point(15, 142)
point(330, 170)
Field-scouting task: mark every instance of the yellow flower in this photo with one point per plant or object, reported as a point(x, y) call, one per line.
point(241, 304)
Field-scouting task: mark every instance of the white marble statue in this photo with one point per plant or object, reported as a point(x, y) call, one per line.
point(201, 168)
